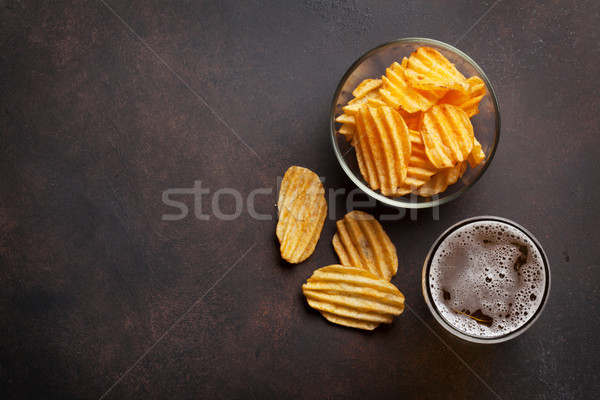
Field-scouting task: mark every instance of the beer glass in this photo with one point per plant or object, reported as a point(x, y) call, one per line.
point(486, 279)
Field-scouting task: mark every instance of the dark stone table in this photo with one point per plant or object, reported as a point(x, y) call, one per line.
point(140, 150)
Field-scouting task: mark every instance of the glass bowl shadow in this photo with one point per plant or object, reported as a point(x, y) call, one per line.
point(372, 65)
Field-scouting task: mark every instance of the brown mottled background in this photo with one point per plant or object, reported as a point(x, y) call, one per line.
point(104, 105)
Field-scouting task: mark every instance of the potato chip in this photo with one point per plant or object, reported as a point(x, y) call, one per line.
point(361, 242)
point(415, 136)
point(353, 297)
point(440, 181)
point(355, 104)
point(383, 147)
point(413, 120)
point(302, 209)
point(366, 86)
point(427, 69)
point(404, 63)
point(469, 100)
point(366, 164)
point(347, 130)
point(397, 93)
point(376, 102)
point(345, 119)
point(447, 135)
point(419, 170)
point(365, 93)
point(477, 155)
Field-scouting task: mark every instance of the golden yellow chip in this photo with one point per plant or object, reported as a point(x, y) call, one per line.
point(345, 119)
point(347, 130)
point(361, 242)
point(427, 69)
point(397, 92)
point(353, 297)
point(302, 209)
point(413, 120)
point(404, 63)
point(415, 136)
point(469, 100)
point(382, 147)
point(366, 86)
point(420, 169)
point(355, 104)
point(376, 102)
point(477, 155)
point(365, 93)
point(440, 181)
point(447, 134)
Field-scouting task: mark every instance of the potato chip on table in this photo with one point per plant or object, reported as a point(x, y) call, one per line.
point(353, 297)
point(301, 209)
point(360, 241)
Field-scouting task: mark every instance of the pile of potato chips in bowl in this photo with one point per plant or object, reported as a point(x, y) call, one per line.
point(414, 123)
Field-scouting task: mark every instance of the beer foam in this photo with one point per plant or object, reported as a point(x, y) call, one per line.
point(487, 279)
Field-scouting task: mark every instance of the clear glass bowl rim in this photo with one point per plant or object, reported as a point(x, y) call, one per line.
point(399, 202)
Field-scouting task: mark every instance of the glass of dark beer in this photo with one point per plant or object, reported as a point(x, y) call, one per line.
point(486, 279)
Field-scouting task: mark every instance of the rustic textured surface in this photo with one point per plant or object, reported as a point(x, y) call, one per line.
point(106, 105)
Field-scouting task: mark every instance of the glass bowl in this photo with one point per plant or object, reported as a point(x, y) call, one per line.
point(373, 64)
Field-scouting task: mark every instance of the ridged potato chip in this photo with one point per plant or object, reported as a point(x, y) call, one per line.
point(428, 69)
point(365, 87)
point(420, 169)
point(360, 241)
point(468, 101)
point(345, 119)
point(376, 102)
point(440, 181)
point(477, 155)
point(397, 92)
point(353, 297)
point(365, 93)
point(413, 120)
point(382, 147)
point(347, 130)
point(355, 104)
point(447, 135)
point(302, 209)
